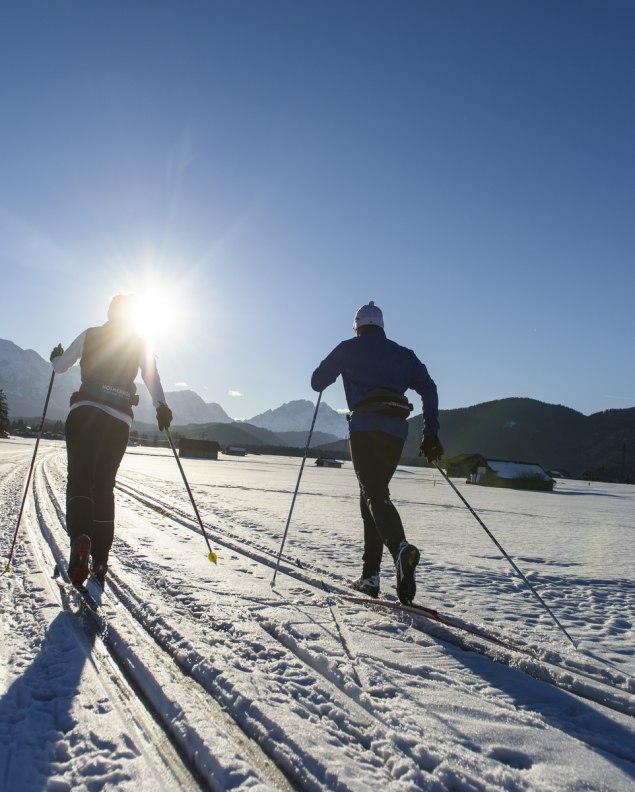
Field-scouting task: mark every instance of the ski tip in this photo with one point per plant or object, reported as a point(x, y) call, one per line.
point(7, 568)
point(213, 558)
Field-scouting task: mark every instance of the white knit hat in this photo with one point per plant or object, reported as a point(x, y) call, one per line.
point(368, 315)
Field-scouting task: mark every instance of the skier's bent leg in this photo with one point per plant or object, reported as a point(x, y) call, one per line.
point(114, 439)
point(373, 542)
point(79, 516)
point(81, 449)
point(375, 457)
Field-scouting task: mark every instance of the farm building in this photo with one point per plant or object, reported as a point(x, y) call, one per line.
point(198, 449)
point(500, 472)
point(560, 473)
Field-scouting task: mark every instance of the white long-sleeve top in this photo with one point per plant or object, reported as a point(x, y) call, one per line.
point(147, 367)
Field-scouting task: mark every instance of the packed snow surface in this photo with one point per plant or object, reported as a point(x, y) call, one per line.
point(260, 686)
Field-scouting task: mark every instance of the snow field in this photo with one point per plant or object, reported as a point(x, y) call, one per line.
point(339, 696)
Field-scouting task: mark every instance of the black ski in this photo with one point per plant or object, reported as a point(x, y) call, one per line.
point(433, 615)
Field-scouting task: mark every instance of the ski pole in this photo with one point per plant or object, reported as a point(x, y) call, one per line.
point(28, 479)
point(211, 555)
point(297, 486)
point(502, 549)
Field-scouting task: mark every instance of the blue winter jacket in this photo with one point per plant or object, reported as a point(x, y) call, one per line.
point(369, 361)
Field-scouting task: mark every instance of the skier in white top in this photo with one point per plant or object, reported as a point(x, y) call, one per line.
point(97, 428)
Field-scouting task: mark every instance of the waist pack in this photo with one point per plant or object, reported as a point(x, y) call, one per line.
point(385, 402)
point(121, 398)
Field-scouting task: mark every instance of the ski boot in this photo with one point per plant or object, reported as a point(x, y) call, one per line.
point(405, 564)
point(78, 561)
point(98, 571)
point(368, 585)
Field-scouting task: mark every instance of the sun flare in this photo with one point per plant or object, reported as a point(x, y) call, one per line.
point(156, 316)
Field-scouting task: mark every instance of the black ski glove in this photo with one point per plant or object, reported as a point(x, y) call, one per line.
point(431, 448)
point(59, 350)
point(164, 417)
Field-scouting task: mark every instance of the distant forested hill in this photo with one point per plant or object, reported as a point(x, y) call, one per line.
point(557, 437)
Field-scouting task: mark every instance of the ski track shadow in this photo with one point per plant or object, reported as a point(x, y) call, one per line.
point(38, 705)
point(583, 493)
point(559, 708)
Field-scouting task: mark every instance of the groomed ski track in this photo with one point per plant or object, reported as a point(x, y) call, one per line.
point(607, 687)
point(199, 742)
point(207, 723)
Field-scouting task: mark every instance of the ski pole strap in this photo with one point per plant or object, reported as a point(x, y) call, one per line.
point(507, 556)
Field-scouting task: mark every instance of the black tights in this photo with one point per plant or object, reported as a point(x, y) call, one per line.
point(375, 457)
point(95, 445)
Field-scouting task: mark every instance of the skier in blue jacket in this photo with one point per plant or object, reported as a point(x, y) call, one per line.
point(376, 373)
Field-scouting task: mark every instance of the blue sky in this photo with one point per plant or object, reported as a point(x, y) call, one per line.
point(269, 166)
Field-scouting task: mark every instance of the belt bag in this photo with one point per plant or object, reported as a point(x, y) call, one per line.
point(117, 396)
point(385, 402)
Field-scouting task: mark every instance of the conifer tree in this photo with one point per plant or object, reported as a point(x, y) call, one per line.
point(4, 415)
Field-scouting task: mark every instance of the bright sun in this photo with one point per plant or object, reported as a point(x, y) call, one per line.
point(155, 316)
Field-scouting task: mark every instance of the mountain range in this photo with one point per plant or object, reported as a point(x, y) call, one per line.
point(25, 377)
point(601, 445)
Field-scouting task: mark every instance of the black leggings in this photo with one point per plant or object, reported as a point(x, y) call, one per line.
point(95, 445)
point(375, 457)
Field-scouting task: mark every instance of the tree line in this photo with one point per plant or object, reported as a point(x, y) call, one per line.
point(4, 415)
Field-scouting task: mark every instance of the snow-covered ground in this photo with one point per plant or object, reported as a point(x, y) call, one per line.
point(203, 676)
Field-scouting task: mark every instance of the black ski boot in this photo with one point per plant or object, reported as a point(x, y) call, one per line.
point(98, 571)
point(405, 564)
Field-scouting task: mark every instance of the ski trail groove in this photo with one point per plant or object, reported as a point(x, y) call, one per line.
point(601, 687)
point(147, 662)
point(318, 698)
